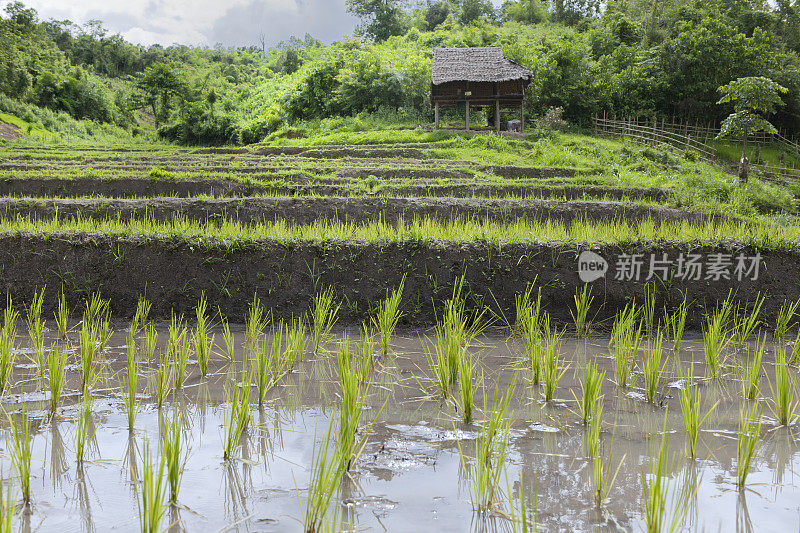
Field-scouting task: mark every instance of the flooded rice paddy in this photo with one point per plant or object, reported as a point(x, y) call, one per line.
point(410, 475)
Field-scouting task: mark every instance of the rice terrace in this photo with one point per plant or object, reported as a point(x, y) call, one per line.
point(464, 266)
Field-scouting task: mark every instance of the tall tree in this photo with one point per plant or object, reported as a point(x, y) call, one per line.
point(158, 85)
point(380, 18)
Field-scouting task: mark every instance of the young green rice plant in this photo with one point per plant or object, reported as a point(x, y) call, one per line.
point(466, 385)
point(142, 313)
point(202, 346)
point(327, 470)
point(716, 337)
point(129, 387)
point(62, 317)
point(649, 310)
point(352, 394)
point(237, 418)
point(794, 357)
point(150, 342)
point(529, 322)
point(656, 487)
point(784, 404)
point(152, 495)
point(36, 332)
point(88, 356)
point(269, 363)
point(747, 442)
point(181, 351)
point(323, 317)
point(83, 428)
point(8, 353)
point(626, 335)
point(602, 477)
point(583, 301)
point(365, 353)
point(785, 315)
point(257, 320)
point(521, 520)
point(490, 453)
point(20, 446)
point(97, 316)
point(295, 343)
point(552, 367)
point(175, 455)
point(56, 374)
point(165, 376)
point(7, 509)
point(747, 323)
point(677, 324)
point(439, 361)
point(389, 315)
point(690, 409)
point(526, 307)
point(652, 367)
point(750, 372)
point(227, 338)
point(590, 392)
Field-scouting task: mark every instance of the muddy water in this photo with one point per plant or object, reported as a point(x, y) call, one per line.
point(409, 476)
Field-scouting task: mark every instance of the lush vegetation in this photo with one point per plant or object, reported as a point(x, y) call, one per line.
point(630, 60)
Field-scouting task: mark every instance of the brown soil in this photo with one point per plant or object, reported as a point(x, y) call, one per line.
point(9, 132)
point(151, 187)
point(173, 273)
point(305, 210)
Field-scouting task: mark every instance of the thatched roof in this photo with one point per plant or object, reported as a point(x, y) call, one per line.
point(475, 64)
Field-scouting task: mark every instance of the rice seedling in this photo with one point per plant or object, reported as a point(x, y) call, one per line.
point(626, 336)
point(677, 324)
point(175, 455)
point(649, 310)
point(202, 345)
point(656, 488)
point(62, 316)
point(590, 392)
point(365, 353)
point(56, 374)
point(97, 316)
point(165, 376)
point(527, 308)
point(716, 337)
point(323, 317)
point(227, 339)
point(88, 352)
point(784, 404)
point(750, 372)
point(652, 367)
point(83, 428)
point(257, 320)
point(269, 363)
point(690, 400)
point(181, 351)
point(129, 387)
point(794, 357)
point(785, 315)
point(521, 520)
point(352, 395)
point(238, 416)
point(439, 360)
point(295, 343)
point(36, 332)
point(389, 315)
point(7, 509)
point(583, 300)
point(745, 325)
point(747, 442)
point(602, 477)
point(150, 342)
point(142, 313)
point(528, 320)
point(152, 495)
point(8, 354)
point(20, 446)
point(552, 368)
point(327, 470)
point(466, 385)
point(490, 452)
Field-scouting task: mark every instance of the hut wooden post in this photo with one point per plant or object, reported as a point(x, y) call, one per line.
point(436, 115)
point(466, 116)
point(522, 113)
point(497, 116)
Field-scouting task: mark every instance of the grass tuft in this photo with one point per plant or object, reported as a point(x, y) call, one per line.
point(323, 317)
point(583, 301)
point(389, 315)
point(747, 442)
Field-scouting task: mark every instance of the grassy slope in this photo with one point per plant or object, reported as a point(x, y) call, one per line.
point(25, 128)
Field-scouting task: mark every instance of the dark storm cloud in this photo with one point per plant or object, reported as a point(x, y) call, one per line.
point(326, 20)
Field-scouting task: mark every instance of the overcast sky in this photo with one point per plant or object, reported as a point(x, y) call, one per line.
point(206, 22)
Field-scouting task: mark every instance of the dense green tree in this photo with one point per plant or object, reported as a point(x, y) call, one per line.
point(158, 85)
point(380, 18)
